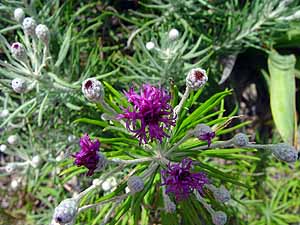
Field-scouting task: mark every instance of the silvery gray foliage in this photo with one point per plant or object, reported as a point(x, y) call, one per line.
point(135, 184)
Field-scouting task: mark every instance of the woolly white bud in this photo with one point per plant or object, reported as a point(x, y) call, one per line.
point(19, 15)
point(14, 184)
point(29, 25)
point(19, 85)
point(66, 211)
point(42, 33)
point(3, 148)
point(240, 140)
point(135, 184)
point(127, 190)
point(109, 183)
point(4, 113)
point(35, 161)
point(221, 194)
point(219, 218)
point(12, 139)
point(170, 206)
point(18, 51)
point(71, 138)
point(173, 34)
point(284, 152)
point(196, 78)
point(150, 45)
point(93, 90)
point(97, 182)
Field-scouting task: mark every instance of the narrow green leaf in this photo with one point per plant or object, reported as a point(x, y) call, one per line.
point(282, 93)
point(64, 48)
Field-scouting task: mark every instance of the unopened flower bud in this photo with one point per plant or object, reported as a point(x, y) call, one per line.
point(196, 78)
point(35, 161)
point(66, 211)
point(42, 33)
point(4, 113)
point(19, 85)
point(29, 25)
point(204, 133)
point(93, 90)
point(221, 194)
point(10, 167)
point(135, 184)
point(71, 138)
point(109, 183)
point(18, 51)
point(12, 139)
point(240, 140)
point(15, 183)
point(219, 218)
point(170, 206)
point(19, 15)
point(97, 182)
point(3, 148)
point(173, 34)
point(284, 152)
point(150, 45)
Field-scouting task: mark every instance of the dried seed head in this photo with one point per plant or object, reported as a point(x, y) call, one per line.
point(4, 113)
point(204, 133)
point(12, 139)
point(284, 152)
point(66, 211)
point(93, 90)
point(18, 51)
point(19, 85)
point(150, 45)
point(29, 25)
point(19, 15)
point(3, 148)
point(135, 184)
point(42, 33)
point(219, 218)
point(240, 140)
point(196, 78)
point(170, 206)
point(221, 194)
point(173, 34)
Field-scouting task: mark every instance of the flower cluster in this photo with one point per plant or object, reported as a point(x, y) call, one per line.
point(89, 155)
point(181, 181)
point(150, 115)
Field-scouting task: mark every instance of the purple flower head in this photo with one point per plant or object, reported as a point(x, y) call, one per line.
point(88, 155)
point(150, 115)
point(204, 133)
point(180, 181)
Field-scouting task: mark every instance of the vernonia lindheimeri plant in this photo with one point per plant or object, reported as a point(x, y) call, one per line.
point(161, 160)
